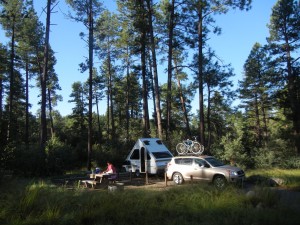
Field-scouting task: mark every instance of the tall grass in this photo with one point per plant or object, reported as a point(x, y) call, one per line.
point(37, 202)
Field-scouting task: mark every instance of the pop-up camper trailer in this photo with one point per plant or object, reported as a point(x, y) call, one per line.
point(157, 154)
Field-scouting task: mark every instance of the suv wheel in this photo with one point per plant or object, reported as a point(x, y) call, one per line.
point(177, 178)
point(219, 182)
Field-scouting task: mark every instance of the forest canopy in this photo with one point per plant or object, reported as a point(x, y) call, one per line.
point(129, 44)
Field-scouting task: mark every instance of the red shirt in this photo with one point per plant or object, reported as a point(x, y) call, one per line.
point(110, 169)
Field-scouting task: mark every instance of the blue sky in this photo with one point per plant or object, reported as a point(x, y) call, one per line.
point(240, 31)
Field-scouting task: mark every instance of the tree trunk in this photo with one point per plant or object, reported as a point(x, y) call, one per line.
point(50, 113)
point(153, 95)
point(145, 89)
point(108, 111)
point(265, 129)
point(208, 119)
point(142, 41)
point(27, 105)
point(90, 113)
point(200, 75)
point(43, 83)
point(127, 94)
point(293, 97)
point(155, 73)
point(183, 105)
point(111, 108)
point(170, 56)
point(257, 129)
point(11, 84)
point(98, 119)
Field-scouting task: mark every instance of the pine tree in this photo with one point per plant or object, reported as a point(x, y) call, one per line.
point(201, 12)
point(106, 33)
point(12, 15)
point(86, 12)
point(29, 40)
point(284, 43)
point(255, 92)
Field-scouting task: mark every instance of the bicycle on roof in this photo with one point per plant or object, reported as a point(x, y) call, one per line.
point(189, 146)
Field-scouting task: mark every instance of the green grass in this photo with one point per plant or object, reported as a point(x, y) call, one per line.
point(291, 177)
point(39, 202)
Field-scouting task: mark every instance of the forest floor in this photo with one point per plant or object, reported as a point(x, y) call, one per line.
point(287, 196)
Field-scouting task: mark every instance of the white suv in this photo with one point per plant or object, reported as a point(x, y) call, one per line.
point(203, 168)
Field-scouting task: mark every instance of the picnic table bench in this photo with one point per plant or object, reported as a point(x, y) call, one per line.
point(106, 179)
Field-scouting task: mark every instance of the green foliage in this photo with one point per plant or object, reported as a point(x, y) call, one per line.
point(264, 158)
point(259, 137)
point(277, 153)
point(116, 152)
point(291, 162)
point(234, 151)
point(59, 156)
point(22, 160)
point(7, 155)
point(232, 147)
point(38, 202)
point(291, 177)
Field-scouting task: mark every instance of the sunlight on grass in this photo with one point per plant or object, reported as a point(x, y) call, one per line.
point(291, 177)
point(38, 202)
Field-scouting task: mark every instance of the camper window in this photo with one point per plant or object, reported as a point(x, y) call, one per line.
point(146, 142)
point(148, 156)
point(135, 154)
point(159, 142)
point(161, 155)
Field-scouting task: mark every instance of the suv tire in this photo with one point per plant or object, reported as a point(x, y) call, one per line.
point(219, 182)
point(177, 178)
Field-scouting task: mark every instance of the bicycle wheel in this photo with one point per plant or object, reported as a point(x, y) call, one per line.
point(197, 148)
point(181, 148)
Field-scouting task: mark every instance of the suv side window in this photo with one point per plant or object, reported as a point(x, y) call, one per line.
point(199, 162)
point(184, 161)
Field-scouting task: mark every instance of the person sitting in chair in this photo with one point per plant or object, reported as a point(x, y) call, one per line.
point(110, 171)
point(110, 168)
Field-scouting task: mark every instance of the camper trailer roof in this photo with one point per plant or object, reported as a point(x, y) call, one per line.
point(153, 144)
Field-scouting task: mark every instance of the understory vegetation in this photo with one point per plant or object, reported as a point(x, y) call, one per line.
point(25, 201)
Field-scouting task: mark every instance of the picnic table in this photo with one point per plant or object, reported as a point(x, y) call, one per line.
point(102, 178)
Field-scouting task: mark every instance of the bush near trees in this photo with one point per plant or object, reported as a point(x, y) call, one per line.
point(261, 132)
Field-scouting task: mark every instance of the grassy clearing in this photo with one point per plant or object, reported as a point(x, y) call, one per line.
point(291, 178)
point(26, 202)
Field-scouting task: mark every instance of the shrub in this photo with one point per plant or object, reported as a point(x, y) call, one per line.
point(292, 162)
point(59, 156)
point(264, 158)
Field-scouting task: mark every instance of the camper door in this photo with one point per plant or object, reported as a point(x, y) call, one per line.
point(138, 161)
point(145, 162)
